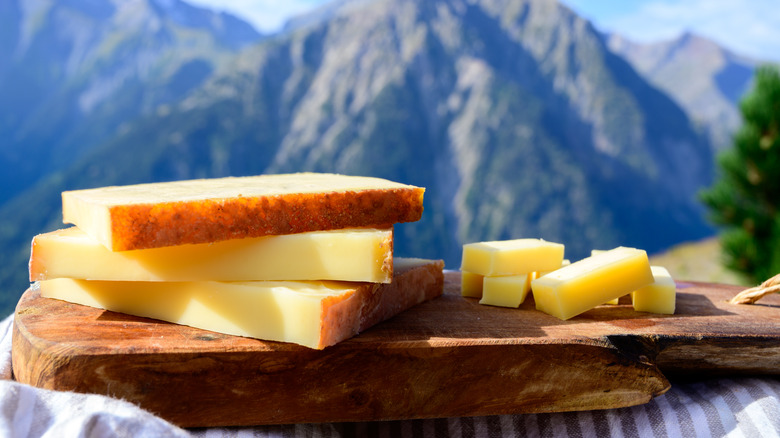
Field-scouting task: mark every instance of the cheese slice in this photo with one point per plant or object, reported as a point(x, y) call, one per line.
point(506, 291)
point(583, 285)
point(361, 254)
point(658, 297)
point(511, 257)
point(312, 314)
point(208, 210)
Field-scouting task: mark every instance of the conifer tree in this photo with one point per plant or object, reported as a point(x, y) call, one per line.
point(745, 200)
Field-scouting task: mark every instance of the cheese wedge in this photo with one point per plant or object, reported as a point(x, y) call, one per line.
point(511, 257)
point(312, 314)
point(506, 291)
point(658, 297)
point(592, 281)
point(209, 210)
point(362, 254)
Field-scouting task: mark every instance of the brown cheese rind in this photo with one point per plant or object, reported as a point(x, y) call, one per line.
point(139, 225)
point(346, 316)
point(149, 226)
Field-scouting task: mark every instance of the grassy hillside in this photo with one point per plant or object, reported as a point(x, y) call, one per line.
point(697, 261)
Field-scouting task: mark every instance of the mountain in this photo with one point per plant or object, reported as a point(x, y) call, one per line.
point(73, 72)
point(514, 115)
point(321, 14)
point(704, 78)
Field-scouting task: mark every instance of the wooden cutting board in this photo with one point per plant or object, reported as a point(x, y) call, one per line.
point(447, 357)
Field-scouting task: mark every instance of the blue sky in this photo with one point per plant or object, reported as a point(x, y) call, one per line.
point(748, 27)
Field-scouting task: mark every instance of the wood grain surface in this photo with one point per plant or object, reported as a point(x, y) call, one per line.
point(447, 357)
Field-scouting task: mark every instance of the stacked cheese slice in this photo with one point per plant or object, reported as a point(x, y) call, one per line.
point(302, 258)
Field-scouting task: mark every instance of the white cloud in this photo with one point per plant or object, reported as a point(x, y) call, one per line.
point(266, 15)
point(748, 27)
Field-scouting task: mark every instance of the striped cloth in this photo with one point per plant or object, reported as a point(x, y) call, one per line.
point(736, 407)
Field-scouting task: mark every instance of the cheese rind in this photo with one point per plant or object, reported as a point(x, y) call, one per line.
point(511, 257)
point(313, 314)
point(471, 284)
point(363, 254)
point(506, 291)
point(208, 210)
point(592, 281)
point(658, 297)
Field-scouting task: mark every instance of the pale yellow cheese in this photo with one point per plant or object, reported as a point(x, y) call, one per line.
point(471, 284)
point(658, 297)
point(593, 252)
point(350, 255)
point(314, 314)
point(506, 291)
point(288, 311)
point(537, 274)
point(583, 285)
point(511, 257)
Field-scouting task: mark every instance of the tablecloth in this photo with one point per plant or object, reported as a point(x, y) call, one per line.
point(738, 407)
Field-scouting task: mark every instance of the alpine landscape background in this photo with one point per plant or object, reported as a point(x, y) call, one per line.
point(518, 116)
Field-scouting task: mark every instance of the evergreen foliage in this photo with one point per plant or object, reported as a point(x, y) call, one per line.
point(746, 197)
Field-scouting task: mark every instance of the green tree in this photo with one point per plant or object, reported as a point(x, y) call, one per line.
point(744, 201)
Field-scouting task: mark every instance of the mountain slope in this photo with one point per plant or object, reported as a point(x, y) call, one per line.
point(513, 114)
point(498, 101)
point(72, 72)
point(704, 78)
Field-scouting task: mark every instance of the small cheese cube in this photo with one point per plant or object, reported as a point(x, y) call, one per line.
point(585, 284)
point(506, 291)
point(658, 297)
point(471, 284)
point(511, 257)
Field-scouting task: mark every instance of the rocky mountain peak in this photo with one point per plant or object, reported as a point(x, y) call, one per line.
point(513, 114)
point(704, 78)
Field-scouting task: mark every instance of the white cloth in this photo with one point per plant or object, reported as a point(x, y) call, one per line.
point(739, 407)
